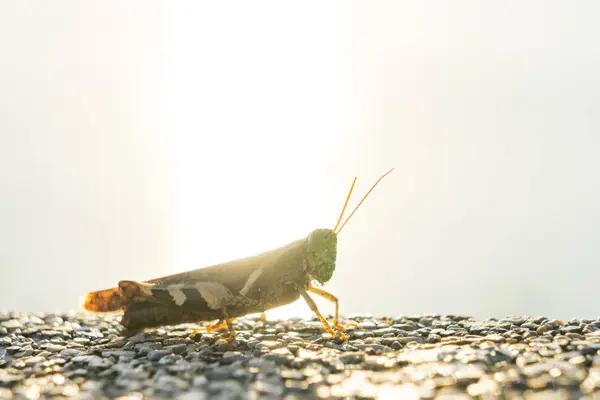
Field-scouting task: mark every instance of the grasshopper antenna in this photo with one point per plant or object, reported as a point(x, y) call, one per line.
point(345, 204)
point(363, 199)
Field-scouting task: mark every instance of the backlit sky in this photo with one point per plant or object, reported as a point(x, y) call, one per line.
point(140, 139)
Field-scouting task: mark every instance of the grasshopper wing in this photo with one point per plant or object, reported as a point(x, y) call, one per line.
point(198, 296)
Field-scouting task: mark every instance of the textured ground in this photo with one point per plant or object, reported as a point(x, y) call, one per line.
point(405, 357)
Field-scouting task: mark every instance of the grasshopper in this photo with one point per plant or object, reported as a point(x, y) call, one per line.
point(226, 291)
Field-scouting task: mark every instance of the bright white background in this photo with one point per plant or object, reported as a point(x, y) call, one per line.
point(139, 139)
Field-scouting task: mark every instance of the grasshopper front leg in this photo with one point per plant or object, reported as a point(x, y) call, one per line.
point(313, 306)
point(328, 296)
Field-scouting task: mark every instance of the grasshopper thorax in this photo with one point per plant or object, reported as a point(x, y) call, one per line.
point(321, 253)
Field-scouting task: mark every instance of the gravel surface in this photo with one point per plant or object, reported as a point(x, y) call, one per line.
point(430, 356)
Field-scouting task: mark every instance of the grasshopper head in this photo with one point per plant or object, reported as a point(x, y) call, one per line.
point(322, 250)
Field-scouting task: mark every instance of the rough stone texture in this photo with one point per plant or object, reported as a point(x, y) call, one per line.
point(430, 356)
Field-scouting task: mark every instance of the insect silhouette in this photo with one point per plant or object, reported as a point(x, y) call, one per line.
point(226, 291)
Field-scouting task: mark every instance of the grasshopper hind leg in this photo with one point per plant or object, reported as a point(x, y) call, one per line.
point(232, 333)
point(220, 324)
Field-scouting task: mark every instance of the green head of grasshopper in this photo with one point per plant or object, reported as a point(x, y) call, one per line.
point(322, 243)
point(320, 258)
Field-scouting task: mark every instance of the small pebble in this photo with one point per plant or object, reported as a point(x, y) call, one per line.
point(156, 355)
